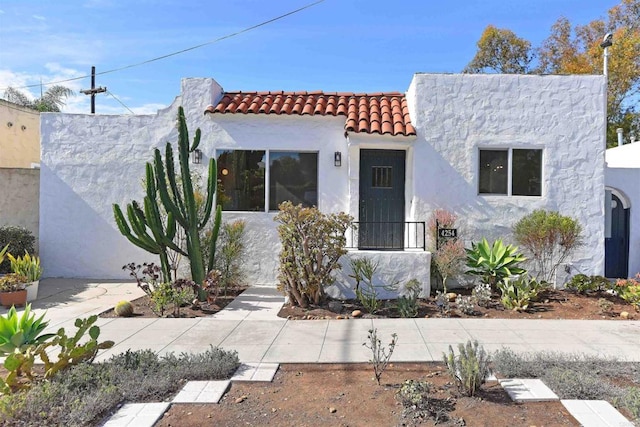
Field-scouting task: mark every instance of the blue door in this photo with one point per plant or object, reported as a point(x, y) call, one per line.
point(381, 210)
point(616, 248)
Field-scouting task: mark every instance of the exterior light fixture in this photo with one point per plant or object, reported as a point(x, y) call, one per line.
point(196, 157)
point(337, 159)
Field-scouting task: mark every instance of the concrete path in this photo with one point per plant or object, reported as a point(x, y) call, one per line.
point(250, 326)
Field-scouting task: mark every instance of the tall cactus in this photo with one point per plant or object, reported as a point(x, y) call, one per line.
point(177, 197)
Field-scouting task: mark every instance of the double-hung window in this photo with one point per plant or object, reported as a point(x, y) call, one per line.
point(249, 180)
point(510, 172)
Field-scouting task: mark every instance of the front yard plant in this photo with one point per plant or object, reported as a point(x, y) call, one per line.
point(447, 259)
point(15, 240)
point(312, 244)
point(493, 263)
point(470, 368)
point(629, 290)
point(549, 238)
point(380, 355)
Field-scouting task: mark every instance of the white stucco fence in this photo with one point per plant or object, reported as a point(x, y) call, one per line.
point(92, 161)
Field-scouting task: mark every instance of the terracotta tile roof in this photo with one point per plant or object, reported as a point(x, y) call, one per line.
point(380, 113)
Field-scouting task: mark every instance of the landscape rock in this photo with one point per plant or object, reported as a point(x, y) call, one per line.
point(333, 410)
point(356, 313)
point(451, 296)
point(335, 306)
point(624, 315)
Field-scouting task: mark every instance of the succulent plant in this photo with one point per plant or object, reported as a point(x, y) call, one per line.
point(12, 282)
point(123, 309)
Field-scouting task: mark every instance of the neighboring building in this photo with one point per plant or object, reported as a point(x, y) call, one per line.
point(19, 136)
point(19, 162)
point(491, 148)
point(622, 243)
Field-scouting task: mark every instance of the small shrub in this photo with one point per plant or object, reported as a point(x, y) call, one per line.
point(518, 293)
point(123, 309)
point(481, 294)
point(447, 255)
point(494, 263)
point(604, 305)
point(230, 254)
point(465, 304)
point(408, 304)
point(630, 400)
point(19, 239)
point(583, 284)
point(380, 355)
point(363, 271)
point(414, 396)
point(312, 244)
point(442, 302)
point(580, 384)
point(549, 238)
point(629, 290)
point(470, 368)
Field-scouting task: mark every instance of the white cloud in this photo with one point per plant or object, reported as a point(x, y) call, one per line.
point(39, 17)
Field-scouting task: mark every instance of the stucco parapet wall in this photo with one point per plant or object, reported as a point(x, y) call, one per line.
point(393, 267)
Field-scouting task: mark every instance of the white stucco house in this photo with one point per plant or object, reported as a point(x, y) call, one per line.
point(491, 148)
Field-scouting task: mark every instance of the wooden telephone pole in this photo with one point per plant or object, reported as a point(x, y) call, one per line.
point(93, 90)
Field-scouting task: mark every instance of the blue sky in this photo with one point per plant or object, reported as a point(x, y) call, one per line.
point(336, 45)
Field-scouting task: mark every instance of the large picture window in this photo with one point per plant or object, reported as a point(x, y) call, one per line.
point(516, 172)
point(293, 176)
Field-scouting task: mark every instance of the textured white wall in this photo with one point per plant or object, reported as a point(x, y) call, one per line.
point(19, 195)
point(623, 174)
point(90, 162)
point(563, 115)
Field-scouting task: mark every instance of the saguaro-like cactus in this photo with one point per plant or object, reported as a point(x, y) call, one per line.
point(177, 197)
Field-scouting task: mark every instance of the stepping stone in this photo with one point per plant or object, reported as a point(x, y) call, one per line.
point(202, 392)
point(255, 372)
point(595, 413)
point(527, 390)
point(138, 415)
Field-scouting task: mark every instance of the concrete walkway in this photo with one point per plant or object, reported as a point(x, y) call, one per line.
point(251, 327)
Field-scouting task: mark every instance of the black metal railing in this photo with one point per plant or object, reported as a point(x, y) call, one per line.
point(386, 235)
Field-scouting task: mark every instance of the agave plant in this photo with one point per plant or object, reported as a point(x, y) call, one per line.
point(16, 330)
point(494, 262)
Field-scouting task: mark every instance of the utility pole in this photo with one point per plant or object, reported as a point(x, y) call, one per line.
point(93, 90)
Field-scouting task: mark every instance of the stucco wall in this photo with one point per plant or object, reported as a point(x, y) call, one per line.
point(19, 194)
point(455, 115)
point(19, 136)
point(90, 162)
point(623, 174)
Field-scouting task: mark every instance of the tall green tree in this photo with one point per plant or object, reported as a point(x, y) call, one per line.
point(576, 50)
point(52, 100)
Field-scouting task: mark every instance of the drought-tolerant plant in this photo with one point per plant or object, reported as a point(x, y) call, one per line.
point(630, 400)
point(19, 240)
point(123, 309)
point(18, 330)
point(230, 254)
point(549, 238)
point(380, 355)
point(408, 302)
point(312, 244)
point(449, 260)
point(604, 305)
point(366, 291)
point(442, 302)
point(147, 229)
point(3, 253)
point(519, 292)
point(494, 262)
point(447, 254)
point(583, 284)
point(465, 304)
point(629, 290)
point(414, 396)
point(481, 294)
point(12, 282)
point(470, 368)
point(146, 275)
point(86, 393)
point(26, 265)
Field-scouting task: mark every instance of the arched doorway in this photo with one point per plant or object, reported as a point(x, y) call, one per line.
point(616, 247)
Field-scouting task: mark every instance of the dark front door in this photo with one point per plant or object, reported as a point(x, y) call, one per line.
point(616, 248)
point(381, 217)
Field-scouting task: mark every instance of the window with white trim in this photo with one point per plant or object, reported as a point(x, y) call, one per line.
point(511, 171)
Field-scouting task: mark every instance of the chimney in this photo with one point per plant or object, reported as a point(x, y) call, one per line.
point(620, 138)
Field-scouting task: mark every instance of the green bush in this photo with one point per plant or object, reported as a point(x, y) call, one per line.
point(549, 238)
point(230, 254)
point(583, 284)
point(19, 239)
point(86, 393)
point(312, 244)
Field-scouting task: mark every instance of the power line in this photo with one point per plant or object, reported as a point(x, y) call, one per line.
point(121, 103)
point(228, 36)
